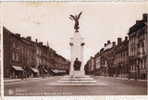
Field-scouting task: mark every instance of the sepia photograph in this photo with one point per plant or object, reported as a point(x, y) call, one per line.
point(74, 48)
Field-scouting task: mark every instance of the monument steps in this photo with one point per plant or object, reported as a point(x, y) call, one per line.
point(77, 80)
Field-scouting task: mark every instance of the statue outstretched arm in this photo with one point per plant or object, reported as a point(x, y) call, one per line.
point(79, 14)
point(72, 17)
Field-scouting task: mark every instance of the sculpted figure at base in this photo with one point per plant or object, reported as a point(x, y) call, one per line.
point(77, 65)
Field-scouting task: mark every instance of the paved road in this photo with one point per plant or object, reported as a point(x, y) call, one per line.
point(40, 87)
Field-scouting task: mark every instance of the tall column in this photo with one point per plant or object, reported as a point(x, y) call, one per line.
point(77, 46)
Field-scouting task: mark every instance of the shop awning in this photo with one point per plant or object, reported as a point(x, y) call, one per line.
point(58, 71)
point(18, 68)
point(35, 70)
point(45, 70)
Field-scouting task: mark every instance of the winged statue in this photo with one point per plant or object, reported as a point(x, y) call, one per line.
point(76, 20)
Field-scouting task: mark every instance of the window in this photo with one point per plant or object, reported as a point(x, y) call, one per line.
point(17, 57)
point(13, 51)
point(13, 56)
point(13, 45)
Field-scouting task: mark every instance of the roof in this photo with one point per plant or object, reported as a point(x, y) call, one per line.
point(108, 46)
point(137, 26)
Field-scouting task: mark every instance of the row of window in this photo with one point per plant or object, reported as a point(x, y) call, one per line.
point(141, 65)
point(21, 54)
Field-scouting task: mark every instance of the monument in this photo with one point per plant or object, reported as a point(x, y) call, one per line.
point(77, 45)
point(77, 73)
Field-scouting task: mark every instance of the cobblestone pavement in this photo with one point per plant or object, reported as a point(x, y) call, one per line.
point(42, 86)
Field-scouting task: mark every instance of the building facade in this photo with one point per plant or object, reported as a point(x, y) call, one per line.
point(138, 49)
point(127, 58)
point(121, 61)
point(90, 66)
point(24, 58)
point(107, 56)
point(97, 59)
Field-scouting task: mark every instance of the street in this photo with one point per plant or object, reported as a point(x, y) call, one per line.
point(43, 86)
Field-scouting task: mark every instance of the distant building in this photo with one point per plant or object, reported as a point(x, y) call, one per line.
point(121, 63)
point(112, 59)
point(90, 66)
point(61, 63)
point(97, 59)
point(138, 48)
point(107, 57)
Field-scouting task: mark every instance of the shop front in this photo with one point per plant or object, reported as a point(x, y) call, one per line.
point(16, 72)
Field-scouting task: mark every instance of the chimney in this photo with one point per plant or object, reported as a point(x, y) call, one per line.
point(119, 40)
point(145, 17)
point(126, 38)
point(18, 35)
point(108, 42)
point(28, 38)
point(114, 44)
point(40, 43)
point(105, 44)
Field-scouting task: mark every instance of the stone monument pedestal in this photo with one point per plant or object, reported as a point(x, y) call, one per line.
point(77, 76)
point(77, 46)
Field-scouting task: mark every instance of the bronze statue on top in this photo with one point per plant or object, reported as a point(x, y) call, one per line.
point(76, 19)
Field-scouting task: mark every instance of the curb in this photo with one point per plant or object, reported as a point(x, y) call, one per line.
point(17, 80)
point(118, 78)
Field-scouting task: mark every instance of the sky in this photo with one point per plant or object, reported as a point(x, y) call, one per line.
point(50, 22)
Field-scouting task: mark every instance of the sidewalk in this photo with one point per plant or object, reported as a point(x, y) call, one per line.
point(11, 80)
point(17, 80)
point(123, 78)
